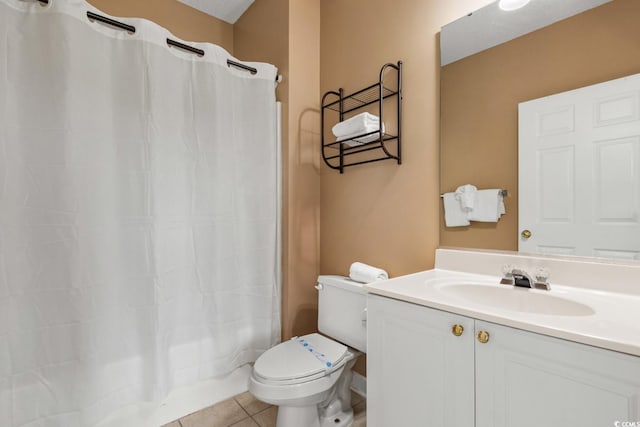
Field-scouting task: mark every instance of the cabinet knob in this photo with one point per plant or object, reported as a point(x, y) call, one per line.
point(457, 330)
point(483, 337)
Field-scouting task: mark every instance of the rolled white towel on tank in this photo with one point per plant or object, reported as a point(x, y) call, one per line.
point(364, 273)
point(356, 125)
point(488, 206)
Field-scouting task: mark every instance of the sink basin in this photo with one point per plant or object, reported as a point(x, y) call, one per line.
point(516, 299)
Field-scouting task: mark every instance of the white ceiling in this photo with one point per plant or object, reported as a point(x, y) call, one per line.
point(491, 26)
point(227, 10)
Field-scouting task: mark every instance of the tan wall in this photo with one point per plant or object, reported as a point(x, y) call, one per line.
point(303, 258)
point(480, 96)
point(262, 34)
point(183, 21)
point(287, 34)
point(381, 213)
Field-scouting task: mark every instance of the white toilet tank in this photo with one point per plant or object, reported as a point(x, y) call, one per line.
point(342, 310)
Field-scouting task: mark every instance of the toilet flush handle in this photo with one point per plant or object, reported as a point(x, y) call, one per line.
point(319, 286)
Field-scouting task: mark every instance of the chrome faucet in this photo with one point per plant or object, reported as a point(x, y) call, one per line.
point(515, 276)
point(521, 278)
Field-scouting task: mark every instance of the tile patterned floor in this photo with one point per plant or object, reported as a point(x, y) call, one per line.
point(244, 410)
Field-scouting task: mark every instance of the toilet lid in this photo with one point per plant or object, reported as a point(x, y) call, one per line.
point(300, 358)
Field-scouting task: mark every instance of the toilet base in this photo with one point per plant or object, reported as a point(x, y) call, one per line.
point(335, 411)
point(341, 419)
point(297, 416)
point(308, 416)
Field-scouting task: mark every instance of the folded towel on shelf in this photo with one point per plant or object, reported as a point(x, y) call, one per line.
point(466, 195)
point(356, 125)
point(363, 139)
point(454, 215)
point(488, 206)
point(364, 273)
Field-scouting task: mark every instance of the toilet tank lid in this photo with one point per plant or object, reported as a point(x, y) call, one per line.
point(342, 282)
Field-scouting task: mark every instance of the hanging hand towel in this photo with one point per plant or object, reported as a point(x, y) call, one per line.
point(454, 216)
point(488, 206)
point(364, 273)
point(466, 195)
point(356, 125)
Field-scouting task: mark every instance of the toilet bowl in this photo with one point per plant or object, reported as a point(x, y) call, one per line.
point(309, 377)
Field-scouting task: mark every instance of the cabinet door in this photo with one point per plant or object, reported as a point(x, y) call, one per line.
point(529, 380)
point(418, 372)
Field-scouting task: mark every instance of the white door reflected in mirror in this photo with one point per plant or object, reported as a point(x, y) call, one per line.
point(579, 171)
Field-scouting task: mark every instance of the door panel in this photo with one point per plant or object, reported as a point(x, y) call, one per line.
point(579, 171)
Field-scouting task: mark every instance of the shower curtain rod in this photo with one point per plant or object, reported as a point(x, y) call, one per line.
point(200, 52)
point(95, 17)
point(231, 63)
point(186, 47)
point(170, 42)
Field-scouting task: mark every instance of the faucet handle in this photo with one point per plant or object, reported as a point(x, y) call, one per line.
point(507, 269)
point(542, 274)
point(507, 274)
point(542, 279)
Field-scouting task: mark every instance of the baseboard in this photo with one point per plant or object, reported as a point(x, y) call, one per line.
point(359, 384)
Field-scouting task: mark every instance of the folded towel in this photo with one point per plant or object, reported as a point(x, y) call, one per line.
point(488, 206)
point(466, 195)
point(364, 273)
point(356, 125)
point(363, 139)
point(454, 216)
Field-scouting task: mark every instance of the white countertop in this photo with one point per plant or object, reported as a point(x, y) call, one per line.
point(614, 323)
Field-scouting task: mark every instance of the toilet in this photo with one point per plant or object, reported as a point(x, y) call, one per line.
point(309, 377)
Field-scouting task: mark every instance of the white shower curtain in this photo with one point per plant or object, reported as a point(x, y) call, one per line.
point(138, 215)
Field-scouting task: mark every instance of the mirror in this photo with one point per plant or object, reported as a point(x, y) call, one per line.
point(481, 90)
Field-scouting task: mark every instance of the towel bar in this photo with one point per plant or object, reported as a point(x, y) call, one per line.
point(503, 193)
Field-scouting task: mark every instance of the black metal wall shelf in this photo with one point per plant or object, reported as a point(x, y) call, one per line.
point(338, 154)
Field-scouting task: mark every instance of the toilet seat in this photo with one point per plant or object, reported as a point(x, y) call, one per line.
point(301, 359)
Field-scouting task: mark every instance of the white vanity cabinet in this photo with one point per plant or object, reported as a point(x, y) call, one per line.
point(421, 374)
point(418, 372)
point(529, 380)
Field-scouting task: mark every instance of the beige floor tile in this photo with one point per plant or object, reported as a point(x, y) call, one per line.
point(245, 423)
point(360, 414)
point(250, 404)
point(230, 413)
point(222, 414)
point(360, 408)
point(359, 422)
point(267, 418)
point(356, 398)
